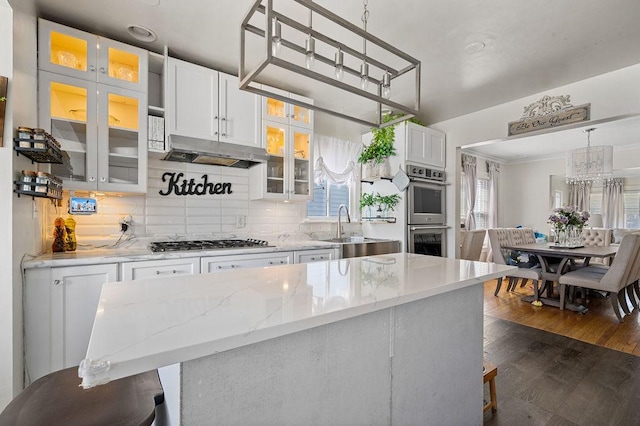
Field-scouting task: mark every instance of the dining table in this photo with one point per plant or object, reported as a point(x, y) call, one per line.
point(556, 260)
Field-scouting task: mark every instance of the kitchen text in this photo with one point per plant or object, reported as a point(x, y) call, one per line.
point(180, 186)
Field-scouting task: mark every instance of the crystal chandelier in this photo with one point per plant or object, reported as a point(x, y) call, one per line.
point(330, 58)
point(589, 164)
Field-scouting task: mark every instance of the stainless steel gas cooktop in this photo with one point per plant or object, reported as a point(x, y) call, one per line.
point(160, 246)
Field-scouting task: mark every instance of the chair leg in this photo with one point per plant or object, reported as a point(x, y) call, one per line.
point(524, 282)
point(495, 293)
point(562, 292)
point(616, 307)
point(512, 283)
point(636, 287)
point(622, 299)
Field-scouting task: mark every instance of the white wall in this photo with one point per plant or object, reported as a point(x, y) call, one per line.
point(206, 215)
point(612, 94)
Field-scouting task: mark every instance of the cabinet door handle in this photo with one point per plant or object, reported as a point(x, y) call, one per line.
point(103, 179)
point(215, 133)
point(103, 70)
point(92, 68)
point(92, 179)
point(223, 119)
point(224, 135)
point(57, 282)
point(215, 118)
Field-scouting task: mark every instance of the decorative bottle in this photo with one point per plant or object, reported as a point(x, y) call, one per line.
point(59, 235)
point(70, 228)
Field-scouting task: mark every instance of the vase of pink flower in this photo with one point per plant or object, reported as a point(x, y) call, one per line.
point(567, 223)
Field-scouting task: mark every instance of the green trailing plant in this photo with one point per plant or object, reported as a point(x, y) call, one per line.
point(2, 98)
point(381, 146)
point(389, 201)
point(367, 200)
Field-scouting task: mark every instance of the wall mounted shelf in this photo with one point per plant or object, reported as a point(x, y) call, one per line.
point(379, 219)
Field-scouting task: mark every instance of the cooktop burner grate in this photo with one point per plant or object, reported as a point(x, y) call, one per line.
point(161, 246)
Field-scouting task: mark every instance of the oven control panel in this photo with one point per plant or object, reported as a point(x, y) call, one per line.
point(425, 173)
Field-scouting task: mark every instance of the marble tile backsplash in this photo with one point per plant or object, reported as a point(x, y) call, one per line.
point(207, 215)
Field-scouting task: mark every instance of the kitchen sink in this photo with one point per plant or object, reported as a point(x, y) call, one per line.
point(359, 246)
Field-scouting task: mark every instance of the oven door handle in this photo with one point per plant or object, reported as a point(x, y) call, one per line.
point(420, 228)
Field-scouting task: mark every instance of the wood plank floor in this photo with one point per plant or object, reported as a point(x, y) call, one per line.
point(599, 326)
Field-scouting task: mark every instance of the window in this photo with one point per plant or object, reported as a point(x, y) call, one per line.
point(481, 208)
point(327, 197)
point(631, 207)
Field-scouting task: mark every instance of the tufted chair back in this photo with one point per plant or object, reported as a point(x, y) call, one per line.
point(521, 236)
point(596, 236)
point(499, 237)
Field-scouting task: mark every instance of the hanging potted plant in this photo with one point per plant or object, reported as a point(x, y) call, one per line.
point(387, 203)
point(375, 156)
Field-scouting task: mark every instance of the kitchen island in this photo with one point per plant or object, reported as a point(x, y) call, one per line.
point(389, 339)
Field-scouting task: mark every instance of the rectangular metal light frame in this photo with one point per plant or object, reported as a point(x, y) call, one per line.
point(246, 78)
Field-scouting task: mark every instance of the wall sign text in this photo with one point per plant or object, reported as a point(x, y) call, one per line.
point(179, 186)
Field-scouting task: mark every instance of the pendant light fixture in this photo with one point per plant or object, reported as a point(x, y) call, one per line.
point(302, 53)
point(589, 164)
point(364, 68)
point(310, 45)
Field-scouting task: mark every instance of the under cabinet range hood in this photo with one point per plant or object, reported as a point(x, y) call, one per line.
point(192, 150)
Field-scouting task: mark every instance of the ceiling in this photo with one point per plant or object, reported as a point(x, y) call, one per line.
point(528, 47)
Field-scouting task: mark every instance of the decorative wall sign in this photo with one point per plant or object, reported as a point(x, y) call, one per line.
point(179, 186)
point(549, 111)
point(4, 82)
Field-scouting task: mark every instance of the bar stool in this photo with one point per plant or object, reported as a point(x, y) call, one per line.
point(489, 373)
point(58, 399)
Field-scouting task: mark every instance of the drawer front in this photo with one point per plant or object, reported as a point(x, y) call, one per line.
point(228, 263)
point(160, 268)
point(307, 256)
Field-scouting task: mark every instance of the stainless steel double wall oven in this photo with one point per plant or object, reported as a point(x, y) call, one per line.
point(426, 214)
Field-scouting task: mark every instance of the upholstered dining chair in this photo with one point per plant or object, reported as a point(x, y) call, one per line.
point(597, 237)
point(622, 273)
point(498, 238)
point(472, 244)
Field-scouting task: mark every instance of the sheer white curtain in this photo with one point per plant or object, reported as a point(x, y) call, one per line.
point(613, 203)
point(470, 181)
point(336, 160)
point(579, 193)
point(494, 179)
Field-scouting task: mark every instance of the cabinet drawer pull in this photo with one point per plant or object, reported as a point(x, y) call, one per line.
point(57, 282)
point(173, 271)
point(225, 267)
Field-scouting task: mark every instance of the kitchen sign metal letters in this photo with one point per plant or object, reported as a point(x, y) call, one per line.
point(549, 111)
point(180, 186)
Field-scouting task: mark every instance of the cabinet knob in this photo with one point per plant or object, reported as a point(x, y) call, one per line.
point(92, 179)
point(57, 282)
point(223, 118)
point(103, 179)
point(224, 135)
point(92, 68)
point(215, 118)
point(215, 133)
point(103, 70)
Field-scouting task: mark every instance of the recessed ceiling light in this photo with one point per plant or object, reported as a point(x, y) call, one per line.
point(475, 47)
point(142, 33)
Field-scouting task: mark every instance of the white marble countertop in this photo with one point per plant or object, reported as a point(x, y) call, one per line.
point(146, 324)
point(142, 252)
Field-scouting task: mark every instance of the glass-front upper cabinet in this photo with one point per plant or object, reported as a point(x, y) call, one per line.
point(103, 132)
point(287, 174)
point(83, 55)
point(279, 111)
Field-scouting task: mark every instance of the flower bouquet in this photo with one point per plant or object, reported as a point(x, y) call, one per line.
point(567, 223)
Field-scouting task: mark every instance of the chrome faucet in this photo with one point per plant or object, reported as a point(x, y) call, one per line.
point(339, 230)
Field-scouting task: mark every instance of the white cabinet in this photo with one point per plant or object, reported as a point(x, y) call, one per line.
point(159, 268)
point(60, 306)
point(103, 128)
point(317, 255)
point(224, 263)
point(82, 55)
point(206, 104)
point(279, 111)
point(424, 145)
point(288, 174)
